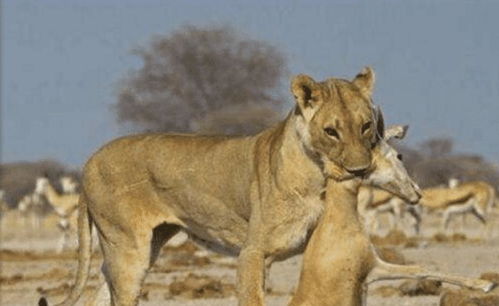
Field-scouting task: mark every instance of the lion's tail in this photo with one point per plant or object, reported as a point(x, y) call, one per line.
point(84, 254)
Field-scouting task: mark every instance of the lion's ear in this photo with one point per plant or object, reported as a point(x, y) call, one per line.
point(365, 81)
point(303, 88)
point(380, 123)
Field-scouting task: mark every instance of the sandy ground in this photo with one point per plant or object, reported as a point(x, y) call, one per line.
point(187, 275)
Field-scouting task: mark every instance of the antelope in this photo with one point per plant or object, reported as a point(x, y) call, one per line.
point(64, 205)
point(68, 184)
point(374, 201)
point(477, 197)
point(30, 207)
point(340, 261)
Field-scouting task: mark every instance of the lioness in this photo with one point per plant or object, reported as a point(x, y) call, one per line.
point(257, 196)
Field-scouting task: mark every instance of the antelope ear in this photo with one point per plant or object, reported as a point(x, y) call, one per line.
point(380, 123)
point(365, 81)
point(397, 131)
point(303, 88)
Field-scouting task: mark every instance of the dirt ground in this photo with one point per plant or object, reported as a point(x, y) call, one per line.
point(187, 275)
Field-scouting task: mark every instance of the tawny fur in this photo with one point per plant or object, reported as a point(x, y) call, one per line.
point(338, 257)
point(340, 260)
point(257, 197)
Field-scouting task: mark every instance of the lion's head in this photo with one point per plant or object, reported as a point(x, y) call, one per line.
point(337, 121)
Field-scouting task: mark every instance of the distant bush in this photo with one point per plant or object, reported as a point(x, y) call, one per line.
point(204, 80)
point(434, 163)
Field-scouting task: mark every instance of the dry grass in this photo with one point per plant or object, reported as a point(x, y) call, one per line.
point(466, 297)
point(199, 286)
point(392, 255)
point(411, 288)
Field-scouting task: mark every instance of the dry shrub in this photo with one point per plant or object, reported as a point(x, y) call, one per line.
point(439, 237)
point(183, 255)
point(490, 276)
point(189, 260)
point(391, 255)
point(412, 242)
point(59, 290)
point(467, 297)
point(53, 274)
point(386, 291)
point(411, 287)
point(394, 237)
point(199, 286)
point(457, 237)
point(416, 287)
point(62, 289)
point(10, 255)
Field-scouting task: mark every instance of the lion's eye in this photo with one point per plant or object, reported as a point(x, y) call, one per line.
point(332, 132)
point(366, 127)
point(400, 157)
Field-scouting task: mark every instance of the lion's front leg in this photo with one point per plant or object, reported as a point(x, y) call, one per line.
point(251, 276)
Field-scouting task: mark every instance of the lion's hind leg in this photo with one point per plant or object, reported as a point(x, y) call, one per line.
point(125, 267)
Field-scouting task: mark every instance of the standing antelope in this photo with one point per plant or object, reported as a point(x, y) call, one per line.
point(64, 205)
point(31, 209)
point(475, 197)
point(375, 201)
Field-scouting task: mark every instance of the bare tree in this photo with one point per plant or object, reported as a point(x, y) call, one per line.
point(203, 80)
point(434, 162)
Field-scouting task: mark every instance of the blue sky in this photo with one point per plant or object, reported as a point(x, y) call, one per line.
point(436, 63)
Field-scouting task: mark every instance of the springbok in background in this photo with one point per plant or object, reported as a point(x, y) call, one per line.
point(477, 198)
point(375, 201)
point(64, 205)
point(68, 184)
point(30, 208)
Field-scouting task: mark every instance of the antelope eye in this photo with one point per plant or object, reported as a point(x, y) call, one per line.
point(366, 127)
point(332, 132)
point(400, 157)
